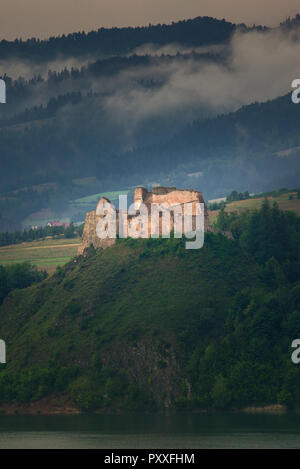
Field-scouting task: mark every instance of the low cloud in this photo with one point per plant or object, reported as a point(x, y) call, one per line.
point(174, 49)
point(173, 91)
point(27, 69)
point(259, 66)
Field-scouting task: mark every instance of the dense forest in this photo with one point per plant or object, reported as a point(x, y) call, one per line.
point(196, 32)
point(147, 324)
point(39, 233)
point(17, 277)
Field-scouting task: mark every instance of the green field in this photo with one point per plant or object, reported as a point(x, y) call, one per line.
point(93, 199)
point(283, 201)
point(46, 254)
point(49, 253)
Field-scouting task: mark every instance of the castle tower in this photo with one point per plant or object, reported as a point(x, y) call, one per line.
point(139, 196)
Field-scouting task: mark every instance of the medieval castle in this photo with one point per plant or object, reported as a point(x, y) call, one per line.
point(159, 195)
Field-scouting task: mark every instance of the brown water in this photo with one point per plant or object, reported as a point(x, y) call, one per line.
point(188, 431)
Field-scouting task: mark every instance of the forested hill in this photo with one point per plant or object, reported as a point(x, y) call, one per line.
point(147, 324)
point(255, 127)
point(195, 32)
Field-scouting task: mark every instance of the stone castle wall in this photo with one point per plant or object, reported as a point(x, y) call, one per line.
point(158, 195)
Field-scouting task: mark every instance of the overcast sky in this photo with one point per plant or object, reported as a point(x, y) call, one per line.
point(43, 18)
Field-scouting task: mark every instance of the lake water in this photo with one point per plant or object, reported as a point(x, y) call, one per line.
point(186, 431)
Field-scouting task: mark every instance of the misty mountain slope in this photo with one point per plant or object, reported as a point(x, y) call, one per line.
point(218, 77)
point(241, 150)
point(147, 324)
point(26, 99)
point(253, 132)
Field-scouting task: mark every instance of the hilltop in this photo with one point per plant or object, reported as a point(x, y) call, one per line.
point(147, 324)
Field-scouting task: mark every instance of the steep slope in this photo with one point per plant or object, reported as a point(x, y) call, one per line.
point(130, 315)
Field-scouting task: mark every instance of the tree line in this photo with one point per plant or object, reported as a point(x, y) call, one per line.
point(34, 234)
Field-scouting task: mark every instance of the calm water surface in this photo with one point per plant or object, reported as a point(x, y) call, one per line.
point(151, 431)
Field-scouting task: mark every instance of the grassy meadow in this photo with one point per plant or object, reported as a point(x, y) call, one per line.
point(283, 201)
point(46, 254)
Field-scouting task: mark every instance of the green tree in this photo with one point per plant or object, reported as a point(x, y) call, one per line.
point(220, 394)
